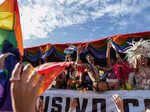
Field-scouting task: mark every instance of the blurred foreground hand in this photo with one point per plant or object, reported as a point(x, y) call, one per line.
point(118, 102)
point(24, 90)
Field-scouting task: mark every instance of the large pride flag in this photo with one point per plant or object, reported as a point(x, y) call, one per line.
point(10, 28)
point(51, 70)
point(10, 32)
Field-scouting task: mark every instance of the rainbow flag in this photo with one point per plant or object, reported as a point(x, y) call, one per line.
point(51, 70)
point(10, 27)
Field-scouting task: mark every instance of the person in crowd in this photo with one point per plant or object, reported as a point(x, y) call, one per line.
point(68, 58)
point(74, 80)
point(92, 77)
point(99, 81)
point(81, 70)
point(70, 52)
point(60, 82)
point(92, 71)
point(9, 57)
point(3, 75)
point(118, 69)
point(24, 88)
point(137, 56)
point(77, 70)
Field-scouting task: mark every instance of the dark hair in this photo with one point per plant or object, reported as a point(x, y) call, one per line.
point(8, 47)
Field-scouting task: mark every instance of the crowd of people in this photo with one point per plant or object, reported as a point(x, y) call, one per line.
point(24, 89)
point(131, 73)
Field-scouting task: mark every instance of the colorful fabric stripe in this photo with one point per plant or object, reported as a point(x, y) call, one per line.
point(7, 6)
point(97, 47)
point(50, 72)
point(18, 31)
point(10, 41)
point(6, 20)
point(7, 35)
point(10, 28)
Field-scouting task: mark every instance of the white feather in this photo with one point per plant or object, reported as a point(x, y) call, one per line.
point(140, 48)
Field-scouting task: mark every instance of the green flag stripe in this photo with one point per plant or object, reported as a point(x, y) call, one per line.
point(7, 35)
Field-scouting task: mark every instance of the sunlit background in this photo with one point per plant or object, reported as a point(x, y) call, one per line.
point(65, 21)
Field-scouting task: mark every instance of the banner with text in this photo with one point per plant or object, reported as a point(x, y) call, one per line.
point(59, 100)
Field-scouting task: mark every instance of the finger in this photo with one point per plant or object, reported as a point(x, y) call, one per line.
point(26, 72)
point(32, 78)
point(39, 82)
point(114, 98)
point(119, 98)
point(16, 72)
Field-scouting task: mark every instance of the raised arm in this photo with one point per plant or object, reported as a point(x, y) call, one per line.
point(119, 60)
point(108, 54)
point(79, 50)
point(78, 54)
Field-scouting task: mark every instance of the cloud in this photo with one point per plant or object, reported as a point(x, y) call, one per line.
point(1, 1)
point(39, 17)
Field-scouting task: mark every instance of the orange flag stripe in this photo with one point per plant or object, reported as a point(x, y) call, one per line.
point(7, 6)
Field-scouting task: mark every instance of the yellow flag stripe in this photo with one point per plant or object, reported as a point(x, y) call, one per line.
point(6, 20)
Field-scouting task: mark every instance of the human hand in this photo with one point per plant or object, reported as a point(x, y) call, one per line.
point(82, 46)
point(109, 44)
point(118, 102)
point(39, 107)
point(24, 88)
point(74, 104)
point(147, 109)
point(2, 59)
point(117, 54)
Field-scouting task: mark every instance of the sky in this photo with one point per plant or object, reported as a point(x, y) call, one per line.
point(67, 21)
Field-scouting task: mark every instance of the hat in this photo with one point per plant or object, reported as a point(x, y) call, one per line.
point(8, 48)
point(70, 50)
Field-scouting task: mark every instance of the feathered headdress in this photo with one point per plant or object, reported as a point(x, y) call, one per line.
point(138, 49)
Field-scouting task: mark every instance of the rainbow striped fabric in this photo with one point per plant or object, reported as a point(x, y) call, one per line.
point(97, 47)
point(10, 28)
